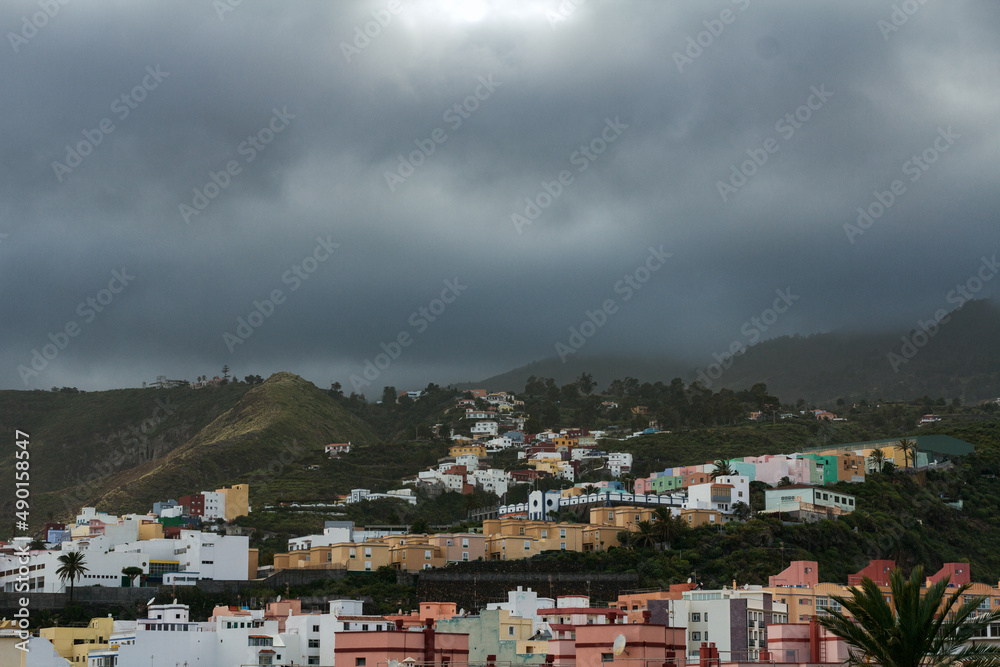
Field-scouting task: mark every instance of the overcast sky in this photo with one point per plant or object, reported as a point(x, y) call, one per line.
point(118, 114)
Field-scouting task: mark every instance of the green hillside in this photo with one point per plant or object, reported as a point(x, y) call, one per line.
point(90, 449)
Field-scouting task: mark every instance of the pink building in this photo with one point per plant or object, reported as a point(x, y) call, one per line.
point(957, 573)
point(644, 645)
point(427, 647)
point(771, 468)
point(801, 573)
point(876, 570)
point(805, 643)
point(644, 485)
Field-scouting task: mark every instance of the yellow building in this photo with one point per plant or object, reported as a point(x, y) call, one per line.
point(237, 500)
point(463, 450)
point(695, 518)
point(600, 538)
point(350, 556)
point(153, 530)
point(10, 654)
point(624, 517)
point(413, 557)
point(511, 547)
point(74, 644)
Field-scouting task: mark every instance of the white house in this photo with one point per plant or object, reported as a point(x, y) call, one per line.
point(619, 463)
point(720, 494)
point(485, 428)
point(494, 480)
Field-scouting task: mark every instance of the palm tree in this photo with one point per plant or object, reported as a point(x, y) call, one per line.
point(878, 460)
point(643, 537)
point(913, 630)
point(667, 527)
point(722, 469)
point(71, 568)
point(589, 489)
point(909, 448)
point(785, 481)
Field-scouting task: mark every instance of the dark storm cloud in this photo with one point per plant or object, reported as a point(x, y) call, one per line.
point(681, 93)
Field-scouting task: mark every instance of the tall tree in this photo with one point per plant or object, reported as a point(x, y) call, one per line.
point(909, 449)
point(71, 567)
point(878, 460)
point(585, 383)
point(933, 629)
point(666, 527)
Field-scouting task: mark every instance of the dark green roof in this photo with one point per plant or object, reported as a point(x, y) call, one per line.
point(937, 444)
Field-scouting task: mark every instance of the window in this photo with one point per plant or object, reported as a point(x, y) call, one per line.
point(354, 553)
point(313, 660)
point(359, 662)
point(696, 636)
point(364, 626)
point(510, 630)
point(427, 554)
point(696, 617)
point(465, 555)
point(368, 552)
point(313, 643)
point(315, 628)
point(562, 532)
point(706, 620)
point(465, 543)
point(527, 545)
point(368, 565)
point(607, 657)
point(545, 534)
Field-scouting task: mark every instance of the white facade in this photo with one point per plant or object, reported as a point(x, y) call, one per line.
point(735, 621)
point(540, 503)
point(215, 505)
point(208, 555)
point(728, 491)
point(619, 463)
point(485, 428)
point(103, 569)
point(493, 479)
